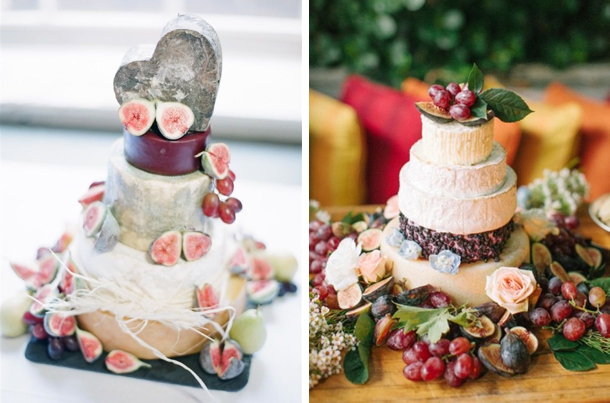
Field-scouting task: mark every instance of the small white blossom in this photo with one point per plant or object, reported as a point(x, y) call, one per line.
point(445, 262)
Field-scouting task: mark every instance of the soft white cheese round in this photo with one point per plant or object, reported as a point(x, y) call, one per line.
point(147, 205)
point(459, 215)
point(455, 143)
point(457, 180)
point(133, 269)
point(468, 285)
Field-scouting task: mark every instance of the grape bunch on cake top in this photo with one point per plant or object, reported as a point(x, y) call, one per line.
point(153, 270)
point(457, 196)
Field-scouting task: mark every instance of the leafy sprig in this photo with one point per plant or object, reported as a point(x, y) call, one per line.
point(433, 322)
point(582, 355)
point(506, 105)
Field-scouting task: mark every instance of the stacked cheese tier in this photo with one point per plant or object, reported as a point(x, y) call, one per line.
point(458, 194)
point(145, 205)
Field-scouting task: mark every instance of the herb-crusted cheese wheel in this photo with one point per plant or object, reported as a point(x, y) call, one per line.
point(455, 143)
point(456, 180)
point(146, 205)
point(468, 285)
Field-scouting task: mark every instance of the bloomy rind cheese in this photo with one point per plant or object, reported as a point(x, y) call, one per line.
point(454, 143)
point(456, 180)
point(446, 213)
point(147, 205)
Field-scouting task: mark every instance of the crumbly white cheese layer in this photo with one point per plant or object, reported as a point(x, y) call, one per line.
point(455, 143)
point(468, 285)
point(459, 215)
point(456, 180)
point(147, 205)
point(134, 270)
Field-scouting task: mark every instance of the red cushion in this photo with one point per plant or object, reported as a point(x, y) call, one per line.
point(393, 125)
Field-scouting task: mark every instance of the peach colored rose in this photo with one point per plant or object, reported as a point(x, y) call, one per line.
point(510, 288)
point(391, 209)
point(372, 266)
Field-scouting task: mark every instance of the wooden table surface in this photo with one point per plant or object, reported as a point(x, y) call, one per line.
point(546, 380)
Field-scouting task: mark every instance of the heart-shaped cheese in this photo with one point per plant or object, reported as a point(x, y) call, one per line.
point(185, 66)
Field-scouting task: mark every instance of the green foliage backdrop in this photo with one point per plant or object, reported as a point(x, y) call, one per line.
point(388, 40)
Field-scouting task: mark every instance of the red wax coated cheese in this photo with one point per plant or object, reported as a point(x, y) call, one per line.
point(155, 154)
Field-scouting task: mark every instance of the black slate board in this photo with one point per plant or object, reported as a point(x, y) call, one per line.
point(161, 371)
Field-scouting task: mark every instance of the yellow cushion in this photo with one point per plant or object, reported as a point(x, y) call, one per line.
point(549, 139)
point(337, 152)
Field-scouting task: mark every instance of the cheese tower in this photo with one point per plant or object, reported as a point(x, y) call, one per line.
point(146, 246)
point(457, 194)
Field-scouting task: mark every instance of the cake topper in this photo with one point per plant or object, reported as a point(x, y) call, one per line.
point(184, 66)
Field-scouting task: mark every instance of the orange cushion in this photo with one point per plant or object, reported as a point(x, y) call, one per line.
point(507, 134)
point(337, 152)
point(549, 139)
point(595, 143)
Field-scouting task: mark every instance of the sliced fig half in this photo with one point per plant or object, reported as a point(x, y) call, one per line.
point(95, 214)
point(122, 362)
point(215, 160)
point(207, 298)
point(211, 356)
point(231, 369)
point(174, 119)
point(58, 324)
point(354, 313)
point(490, 357)
point(541, 257)
point(24, 271)
point(137, 115)
point(583, 253)
point(195, 245)
point(596, 256)
point(108, 235)
point(370, 239)
point(527, 337)
point(374, 291)
point(167, 248)
point(93, 194)
point(433, 112)
point(90, 345)
point(48, 267)
point(480, 330)
point(383, 327)
point(44, 295)
point(350, 297)
point(262, 291)
point(558, 270)
point(239, 262)
point(259, 269)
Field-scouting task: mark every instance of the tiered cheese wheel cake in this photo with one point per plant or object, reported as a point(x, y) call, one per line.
point(156, 185)
point(457, 194)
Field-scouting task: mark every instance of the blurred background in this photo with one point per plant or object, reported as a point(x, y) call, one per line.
point(371, 60)
point(59, 58)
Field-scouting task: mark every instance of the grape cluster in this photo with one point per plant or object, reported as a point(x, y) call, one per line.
point(455, 99)
point(57, 345)
point(322, 242)
point(225, 210)
point(574, 308)
point(452, 359)
point(562, 243)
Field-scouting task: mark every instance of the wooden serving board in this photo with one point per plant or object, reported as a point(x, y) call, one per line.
point(546, 380)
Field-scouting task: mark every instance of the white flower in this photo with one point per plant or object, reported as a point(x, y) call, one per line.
point(322, 215)
point(341, 268)
point(410, 250)
point(395, 238)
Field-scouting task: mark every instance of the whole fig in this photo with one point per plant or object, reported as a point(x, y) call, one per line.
point(514, 354)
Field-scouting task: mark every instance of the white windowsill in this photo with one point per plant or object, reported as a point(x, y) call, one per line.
point(58, 72)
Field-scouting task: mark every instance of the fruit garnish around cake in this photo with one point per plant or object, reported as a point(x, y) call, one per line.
point(469, 105)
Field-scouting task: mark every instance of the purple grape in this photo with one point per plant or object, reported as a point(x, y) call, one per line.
point(434, 89)
point(453, 89)
point(540, 317)
point(466, 97)
point(70, 343)
point(55, 348)
point(442, 99)
point(459, 112)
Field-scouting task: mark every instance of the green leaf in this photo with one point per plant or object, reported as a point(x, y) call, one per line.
point(348, 218)
point(479, 108)
point(594, 355)
point(475, 80)
point(466, 318)
point(356, 370)
point(436, 327)
point(433, 322)
point(560, 343)
point(574, 361)
point(364, 329)
point(508, 106)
